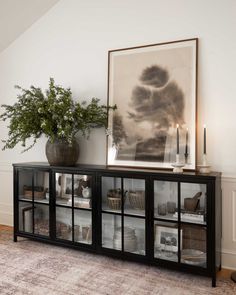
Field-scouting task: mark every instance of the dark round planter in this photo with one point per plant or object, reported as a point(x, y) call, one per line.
point(60, 153)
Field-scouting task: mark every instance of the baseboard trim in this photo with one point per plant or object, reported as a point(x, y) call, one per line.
point(6, 218)
point(229, 260)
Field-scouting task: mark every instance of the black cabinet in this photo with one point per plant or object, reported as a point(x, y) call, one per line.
point(150, 216)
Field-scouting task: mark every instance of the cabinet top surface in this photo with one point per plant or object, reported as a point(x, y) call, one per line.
point(104, 168)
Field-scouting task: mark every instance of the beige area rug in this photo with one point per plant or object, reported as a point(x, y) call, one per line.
point(28, 267)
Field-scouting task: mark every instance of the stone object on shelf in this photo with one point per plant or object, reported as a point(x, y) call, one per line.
point(192, 204)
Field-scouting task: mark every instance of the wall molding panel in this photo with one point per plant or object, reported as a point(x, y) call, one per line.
point(6, 167)
point(233, 212)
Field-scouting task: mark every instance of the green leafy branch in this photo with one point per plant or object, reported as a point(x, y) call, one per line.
point(54, 114)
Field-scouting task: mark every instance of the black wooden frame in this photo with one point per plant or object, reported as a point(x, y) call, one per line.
point(213, 218)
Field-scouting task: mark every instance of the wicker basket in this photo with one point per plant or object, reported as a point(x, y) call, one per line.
point(114, 193)
point(28, 193)
point(114, 203)
point(137, 199)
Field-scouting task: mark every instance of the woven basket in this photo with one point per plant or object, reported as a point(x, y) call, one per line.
point(114, 203)
point(28, 193)
point(114, 193)
point(137, 199)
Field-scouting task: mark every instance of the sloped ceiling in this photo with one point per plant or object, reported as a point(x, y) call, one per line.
point(16, 16)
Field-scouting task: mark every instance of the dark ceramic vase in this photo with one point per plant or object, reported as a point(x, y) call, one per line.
point(60, 153)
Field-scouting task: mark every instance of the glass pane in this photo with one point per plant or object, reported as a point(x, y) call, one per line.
point(134, 196)
point(194, 245)
point(41, 186)
point(25, 185)
point(64, 223)
point(111, 194)
point(25, 217)
point(165, 200)
point(41, 219)
point(166, 241)
point(134, 235)
point(111, 228)
point(193, 202)
point(63, 189)
point(82, 227)
point(82, 191)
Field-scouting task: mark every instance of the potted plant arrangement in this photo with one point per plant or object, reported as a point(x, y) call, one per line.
point(57, 116)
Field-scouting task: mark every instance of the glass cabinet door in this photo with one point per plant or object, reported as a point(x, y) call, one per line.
point(134, 196)
point(166, 240)
point(134, 235)
point(111, 231)
point(194, 246)
point(193, 223)
point(123, 214)
point(180, 222)
point(33, 195)
point(112, 195)
point(193, 202)
point(74, 207)
point(166, 200)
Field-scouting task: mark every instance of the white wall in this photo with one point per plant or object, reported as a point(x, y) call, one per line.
point(70, 43)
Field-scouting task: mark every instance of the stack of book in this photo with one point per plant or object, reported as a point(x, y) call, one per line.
point(191, 216)
point(82, 202)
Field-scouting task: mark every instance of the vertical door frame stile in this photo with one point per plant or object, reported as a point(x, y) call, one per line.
point(94, 209)
point(52, 204)
point(99, 209)
point(122, 215)
point(33, 213)
point(210, 228)
point(180, 242)
point(149, 218)
point(16, 202)
point(72, 212)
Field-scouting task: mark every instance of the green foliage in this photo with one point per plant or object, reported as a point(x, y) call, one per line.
point(53, 114)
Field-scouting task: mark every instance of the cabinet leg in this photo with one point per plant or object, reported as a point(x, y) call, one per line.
point(213, 281)
point(15, 238)
point(220, 267)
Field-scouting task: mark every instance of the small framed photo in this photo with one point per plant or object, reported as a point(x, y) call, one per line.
point(164, 233)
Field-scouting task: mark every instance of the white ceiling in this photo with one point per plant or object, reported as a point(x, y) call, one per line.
point(16, 16)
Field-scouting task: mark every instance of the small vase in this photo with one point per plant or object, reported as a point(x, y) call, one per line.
point(61, 153)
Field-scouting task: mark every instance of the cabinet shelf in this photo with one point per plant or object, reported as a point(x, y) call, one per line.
point(43, 201)
point(169, 228)
point(75, 208)
point(124, 214)
point(194, 223)
point(173, 219)
point(127, 211)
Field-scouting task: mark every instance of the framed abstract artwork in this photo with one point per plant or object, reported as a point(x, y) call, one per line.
point(155, 89)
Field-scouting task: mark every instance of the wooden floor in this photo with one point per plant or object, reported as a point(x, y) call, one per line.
point(224, 273)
